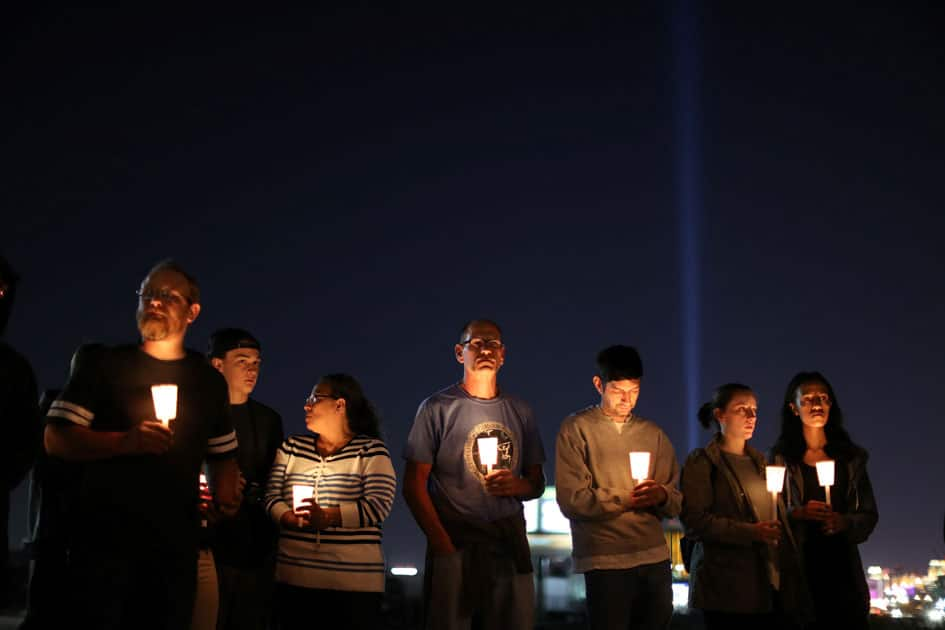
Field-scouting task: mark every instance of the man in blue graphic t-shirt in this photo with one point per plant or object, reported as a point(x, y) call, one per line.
point(473, 455)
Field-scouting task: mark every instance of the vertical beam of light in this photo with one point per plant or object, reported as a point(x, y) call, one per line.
point(688, 163)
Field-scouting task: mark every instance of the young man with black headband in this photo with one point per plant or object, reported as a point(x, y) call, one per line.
point(244, 546)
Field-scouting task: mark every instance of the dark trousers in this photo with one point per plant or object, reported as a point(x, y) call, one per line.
point(298, 607)
point(640, 598)
point(49, 585)
point(245, 596)
point(136, 587)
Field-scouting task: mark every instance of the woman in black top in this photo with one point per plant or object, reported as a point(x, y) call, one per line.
point(828, 535)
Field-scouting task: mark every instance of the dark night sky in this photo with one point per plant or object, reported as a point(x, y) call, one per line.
point(353, 183)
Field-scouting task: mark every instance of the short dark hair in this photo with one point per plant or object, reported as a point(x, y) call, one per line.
point(720, 399)
point(480, 320)
point(617, 363)
point(169, 264)
point(226, 339)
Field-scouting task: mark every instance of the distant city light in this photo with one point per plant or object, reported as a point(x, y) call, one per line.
point(401, 571)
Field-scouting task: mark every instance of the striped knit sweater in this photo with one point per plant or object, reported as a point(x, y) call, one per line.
point(359, 479)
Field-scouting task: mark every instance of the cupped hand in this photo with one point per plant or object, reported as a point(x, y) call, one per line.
point(147, 438)
point(768, 532)
point(504, 483)
point(646, 494)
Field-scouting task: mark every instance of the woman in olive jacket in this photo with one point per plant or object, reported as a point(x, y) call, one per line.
point(827, 534)
point(744, 569)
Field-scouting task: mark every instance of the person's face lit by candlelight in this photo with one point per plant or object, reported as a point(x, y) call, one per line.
point(165, 306)
point(618, 398)
point(739, 417)
point(812, 404)
point(481, 349)
point(240, 368)
point(323, 407)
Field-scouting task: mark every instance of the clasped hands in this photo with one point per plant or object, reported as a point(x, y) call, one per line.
point(831, 522)
point(646, 494)
point(310, 515)
point(505, 483)
point(215, 510)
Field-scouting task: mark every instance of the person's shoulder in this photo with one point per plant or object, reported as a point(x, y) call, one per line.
point(9, 353)
point(13, 360)
point(441, 398)
point(649, 425)
point(579, 418)
point(120, 352)
point(113, 360)
point(516, 402)
point(198, 363)
point(697, 456)
point(583, 415)
point(856, 455)
point(264, 410)
point(368, 444)
point(299, 440)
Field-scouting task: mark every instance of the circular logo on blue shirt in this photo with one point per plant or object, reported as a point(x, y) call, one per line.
point(507, 452)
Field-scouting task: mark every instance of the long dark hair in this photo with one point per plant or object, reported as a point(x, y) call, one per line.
point(720, 400)
point(362, 416)
point(791, 444)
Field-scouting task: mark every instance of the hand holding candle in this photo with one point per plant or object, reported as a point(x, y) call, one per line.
point(205, 499)
point(165, 402)
point(774, 475)
point(825, 476)
point(299, 494)
point(639, 466)
point(488, 452)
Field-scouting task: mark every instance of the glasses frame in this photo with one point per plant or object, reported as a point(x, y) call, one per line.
point(492, 344)
point(164, 296)
point(313, 399)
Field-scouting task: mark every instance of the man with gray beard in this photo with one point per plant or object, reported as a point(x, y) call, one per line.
point(134, 557)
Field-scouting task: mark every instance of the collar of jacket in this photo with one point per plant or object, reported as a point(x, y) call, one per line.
point(713, 451)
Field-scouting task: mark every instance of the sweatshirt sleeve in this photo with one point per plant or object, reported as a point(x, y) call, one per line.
point(577, 496)
point(697, 516)
point(275, 501)
point(666, 474)
point(379, 485)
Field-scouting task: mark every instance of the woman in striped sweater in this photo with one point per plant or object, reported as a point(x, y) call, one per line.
point(330, 565)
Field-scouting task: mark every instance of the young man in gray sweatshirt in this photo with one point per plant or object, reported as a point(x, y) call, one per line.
point(616, 523)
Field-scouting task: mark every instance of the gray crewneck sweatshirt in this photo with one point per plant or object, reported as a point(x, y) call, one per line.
point(592, 479)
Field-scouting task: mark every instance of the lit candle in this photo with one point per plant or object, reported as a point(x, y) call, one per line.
point(774, 475)
point(165, 402)
point(299, 494)
point(204, 491)
point(639, 465)
point(488, 452)
point(825, 470)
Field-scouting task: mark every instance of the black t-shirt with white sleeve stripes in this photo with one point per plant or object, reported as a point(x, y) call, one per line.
point(113, 393)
